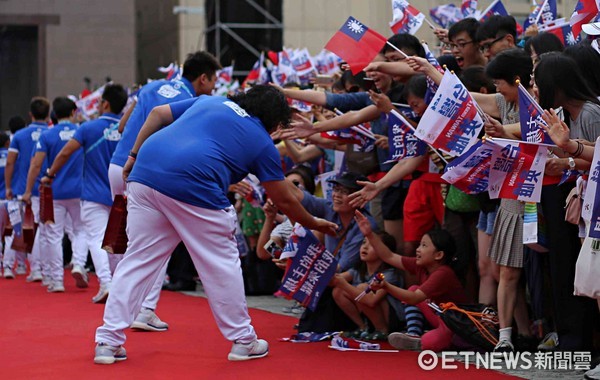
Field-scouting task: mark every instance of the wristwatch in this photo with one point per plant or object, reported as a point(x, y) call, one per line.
point(571, 163)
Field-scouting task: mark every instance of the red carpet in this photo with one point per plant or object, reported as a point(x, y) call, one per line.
point(51, 336)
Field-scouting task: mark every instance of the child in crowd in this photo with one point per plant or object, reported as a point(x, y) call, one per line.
point(375, 306)
point(437, 282)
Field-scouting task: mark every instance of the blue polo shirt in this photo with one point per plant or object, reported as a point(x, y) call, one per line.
point(99, 139)
point(67, 184)
point(349, 254)
point(23, 143)
point(151, 95)
point(211, 144)
point(3, 155)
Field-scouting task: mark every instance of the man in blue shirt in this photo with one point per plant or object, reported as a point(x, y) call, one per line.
point(66, 191)
point(15, 174)
point(95, 141)
point(178, 192)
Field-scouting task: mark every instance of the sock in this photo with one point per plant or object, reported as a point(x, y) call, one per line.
point(414, 320)
point(506, 334)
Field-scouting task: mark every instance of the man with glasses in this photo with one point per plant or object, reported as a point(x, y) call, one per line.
point(463, 43)
point(496, 34)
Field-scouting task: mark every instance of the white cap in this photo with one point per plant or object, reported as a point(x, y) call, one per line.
point(592, 29)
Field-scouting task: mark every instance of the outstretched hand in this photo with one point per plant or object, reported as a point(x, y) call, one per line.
point(359, 199)
point(325, 227)
point(301, 128)
point(363, 223)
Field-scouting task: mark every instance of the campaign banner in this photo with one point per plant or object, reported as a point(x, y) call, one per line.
point(468, 8)
point(495, 8)
point(470, 172)
point(312, 268)
point(517, 171)
point(446, 15)
point(302, 62)
point(406, 18)
point(402, 140)
point(543, 13)
point(88, 106)
point(451, 122)
point(530, 115)
point(590, 210)
point(256, 197)
point(13, 208)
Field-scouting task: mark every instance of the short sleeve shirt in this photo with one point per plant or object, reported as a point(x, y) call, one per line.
point(441, 285)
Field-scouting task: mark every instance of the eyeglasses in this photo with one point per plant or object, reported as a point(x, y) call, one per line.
point(340, 190)
point(298, 184)
point(486, 46)
point(460, 45)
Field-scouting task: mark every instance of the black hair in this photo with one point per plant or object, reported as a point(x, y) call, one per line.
point(355, 81)
point(474, 79)
point(450, 62)
point(510, 65)
point(396, 94)
point(199, 63)
point(443, 241)
point(390, 242)
point(588, 60)
point(15, 123)
point(469, 25)
point(543, 43)
point(307, 177)
point(63, 107)
point(3, 139)
point(405, 42)
point(116, 96)
point(496, 26)
point(560, 80)
point(39, 108)
point(416, 86)
point(266, 103)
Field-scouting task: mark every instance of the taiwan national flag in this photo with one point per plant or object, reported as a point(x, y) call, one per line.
point(496, 8)
point(356, 44)
point(584, 12)
point(406, 18)
point(564, 32)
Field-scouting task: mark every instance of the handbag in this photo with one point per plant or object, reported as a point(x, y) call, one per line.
point(459, 201)
point(573, 204)
point(46, 205)
point(587, 269)
point(115, 237)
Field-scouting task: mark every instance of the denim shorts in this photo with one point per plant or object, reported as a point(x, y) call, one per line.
point(486, 221)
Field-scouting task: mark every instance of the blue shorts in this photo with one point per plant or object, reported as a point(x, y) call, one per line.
point(486, 221)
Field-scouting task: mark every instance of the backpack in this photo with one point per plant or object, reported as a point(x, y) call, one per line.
point(475, 324)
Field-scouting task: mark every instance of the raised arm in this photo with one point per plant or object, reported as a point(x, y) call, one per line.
point(380, 248)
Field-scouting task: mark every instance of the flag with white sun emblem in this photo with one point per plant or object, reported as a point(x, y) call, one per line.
point(356, 44)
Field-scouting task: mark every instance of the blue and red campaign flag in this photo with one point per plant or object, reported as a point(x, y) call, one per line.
point(544, 12)
point(590, 210)
point(406, 18)
point(530, 115)
point(257, 71)
point(471, 171)
point(495, 8)
point(356, 44)
point(517, 171)
point(585, 11)
point(312, 268)
point(451, 122)
point(468, 8)
point(402, 140)
point(446, 15)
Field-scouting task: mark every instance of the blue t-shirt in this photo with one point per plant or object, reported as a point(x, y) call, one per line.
point(67, 184)
point(3, 155)
point(23, 143)
point(209, 146)
point(99, 138)
point(151, 95)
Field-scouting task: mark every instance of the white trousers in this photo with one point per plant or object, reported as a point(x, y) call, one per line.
point(155, 225)
point(119, 187)
point(10, 254)
point(53, 236)
point(94, 217)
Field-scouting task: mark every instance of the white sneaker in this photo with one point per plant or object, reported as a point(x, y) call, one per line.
point(34, 276)
point(21, 269)
point(254, 350)
point(593, 374)
point(8, 273)
point(549, 343)
point(46, 281)
point(56, 287)
point(105, 354)
point(102, 294)
point(80, 276)
point(149, 321)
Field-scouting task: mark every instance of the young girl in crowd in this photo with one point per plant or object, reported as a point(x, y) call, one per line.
point(374, 305)
point(436, 282)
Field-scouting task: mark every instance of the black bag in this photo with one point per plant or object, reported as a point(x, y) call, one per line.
point(327, 317)
point(476, 324)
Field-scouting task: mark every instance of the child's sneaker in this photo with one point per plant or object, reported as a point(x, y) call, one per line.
point(549, 343)
point(254, 350)
point(593, 374)
point(149, 321)
point(504, 346)
point(106, 354)
point(404, 341)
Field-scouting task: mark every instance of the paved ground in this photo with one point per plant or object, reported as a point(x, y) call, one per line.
point(276, 305)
